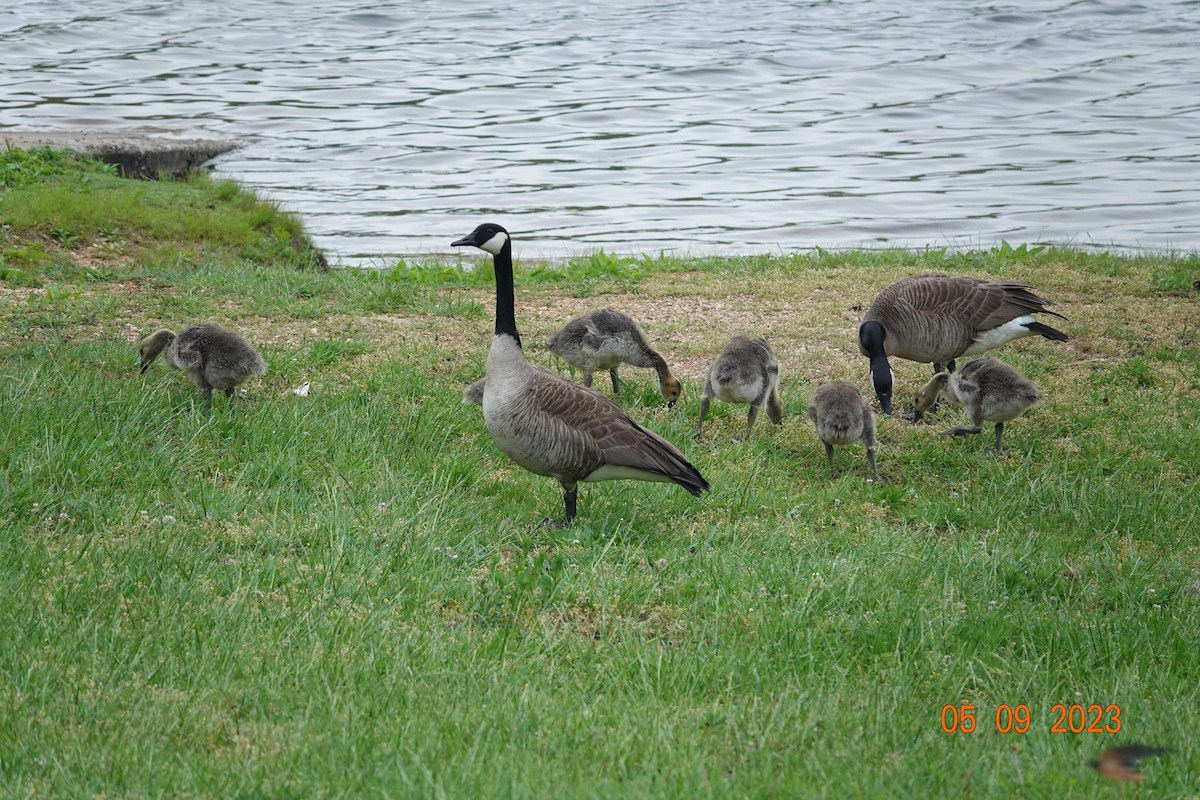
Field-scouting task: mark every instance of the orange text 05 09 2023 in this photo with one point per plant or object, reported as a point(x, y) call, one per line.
point(1063, 718)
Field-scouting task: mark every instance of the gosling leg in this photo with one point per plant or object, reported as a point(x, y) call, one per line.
point(751, 415)
point(874, 466)
point(704, 401)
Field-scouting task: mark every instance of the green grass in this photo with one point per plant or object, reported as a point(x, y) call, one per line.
point(349, 594)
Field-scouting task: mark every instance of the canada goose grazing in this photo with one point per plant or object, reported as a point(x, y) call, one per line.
point(554, 427)
point(605, 339)
point(842, 416)
point(746, 371)
point(988, 389)
point(937, 318)
point(213, 356)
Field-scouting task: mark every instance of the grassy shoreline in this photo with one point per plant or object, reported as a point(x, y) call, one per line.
point(348, 594)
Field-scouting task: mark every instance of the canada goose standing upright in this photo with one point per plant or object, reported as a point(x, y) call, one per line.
point(553, 427)
point(937, 318)
point(746, 371)
point(842, 416)
point(988, 389)
point(605, 339)
point(213, 356)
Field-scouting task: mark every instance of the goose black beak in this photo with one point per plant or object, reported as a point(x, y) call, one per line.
point(466, 241)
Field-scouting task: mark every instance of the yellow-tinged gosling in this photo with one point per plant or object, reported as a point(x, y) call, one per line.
point(988, 389)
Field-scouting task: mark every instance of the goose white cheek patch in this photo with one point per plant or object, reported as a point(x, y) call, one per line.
point(495, 244)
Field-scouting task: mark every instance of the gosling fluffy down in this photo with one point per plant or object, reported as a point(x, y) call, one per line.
point(746, 371)
point(213, 356)
point(987, 389)
point(842, 417)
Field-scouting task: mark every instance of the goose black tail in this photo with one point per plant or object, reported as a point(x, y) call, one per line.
point(1047, 331)
point(693, 481)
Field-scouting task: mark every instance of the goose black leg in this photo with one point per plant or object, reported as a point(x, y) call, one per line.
point(570, 496)
point(612, 373)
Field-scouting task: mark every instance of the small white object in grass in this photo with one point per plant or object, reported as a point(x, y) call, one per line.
point(302, 389)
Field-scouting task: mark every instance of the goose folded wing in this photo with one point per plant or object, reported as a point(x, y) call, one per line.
point(600, 431)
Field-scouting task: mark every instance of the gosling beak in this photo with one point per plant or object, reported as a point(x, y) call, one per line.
point(145, 366)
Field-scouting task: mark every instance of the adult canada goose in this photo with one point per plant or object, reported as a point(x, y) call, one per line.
point(842, 416)
point(937, 318)
point(988, 389)
point(553, 427)
point(213, 356)
point(605, 339)
point(746, 371)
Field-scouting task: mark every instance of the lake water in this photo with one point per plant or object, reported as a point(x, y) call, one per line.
point(648, 125)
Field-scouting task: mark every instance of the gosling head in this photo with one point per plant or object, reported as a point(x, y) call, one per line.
point(671, 389)
point(152, 345)
point(928, 394)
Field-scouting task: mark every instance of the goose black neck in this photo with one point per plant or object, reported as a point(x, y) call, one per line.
point(506, 314)
point(870, 338)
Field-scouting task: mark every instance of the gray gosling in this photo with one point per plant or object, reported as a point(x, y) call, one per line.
point(842, 417)
point(746, 371)
point(554, 427)
point(213, 356)
point(988, 389)
point(937, 318)
point(605, 339)
point(473, 394)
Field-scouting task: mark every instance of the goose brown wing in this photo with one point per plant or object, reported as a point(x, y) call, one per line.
point(596, 431)
point(1003, 302)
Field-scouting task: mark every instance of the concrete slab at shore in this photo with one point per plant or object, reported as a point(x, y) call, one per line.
point(137, 154)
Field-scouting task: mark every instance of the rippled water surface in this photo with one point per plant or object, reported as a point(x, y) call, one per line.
point(639, 125)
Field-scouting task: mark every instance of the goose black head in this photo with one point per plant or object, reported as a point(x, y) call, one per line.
point(488, 237)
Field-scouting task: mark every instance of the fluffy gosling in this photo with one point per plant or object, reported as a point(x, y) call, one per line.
point(987, 389)
point(842, 417)
point(746, 371)
point(213, 356)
